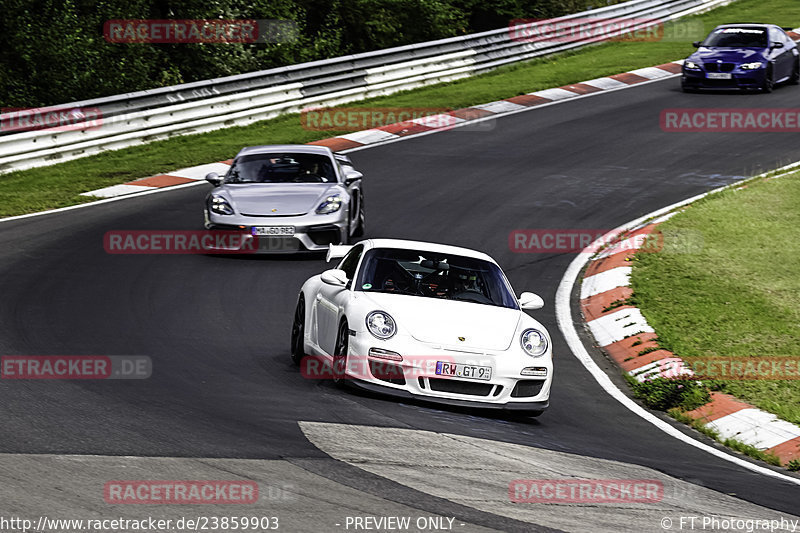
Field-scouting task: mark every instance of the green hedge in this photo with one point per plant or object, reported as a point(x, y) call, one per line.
point(53, 51)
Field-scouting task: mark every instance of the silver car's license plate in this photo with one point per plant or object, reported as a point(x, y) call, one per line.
point(273, 231)
point(463, 371)
point(719, 75)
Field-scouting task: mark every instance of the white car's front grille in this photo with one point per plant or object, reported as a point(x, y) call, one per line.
point(457, 386)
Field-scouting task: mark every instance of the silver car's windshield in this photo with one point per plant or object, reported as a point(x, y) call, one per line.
point(434, 275)
point(281, 168)
point(737, 38)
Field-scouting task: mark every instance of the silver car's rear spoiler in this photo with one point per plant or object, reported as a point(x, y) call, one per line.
point(337, 251)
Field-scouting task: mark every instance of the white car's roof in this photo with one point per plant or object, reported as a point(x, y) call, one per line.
point(427, 247)
point(296, 148)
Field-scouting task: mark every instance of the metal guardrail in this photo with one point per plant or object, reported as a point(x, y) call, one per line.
point(141, 117)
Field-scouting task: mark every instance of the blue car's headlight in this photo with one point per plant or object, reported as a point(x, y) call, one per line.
point(691, 65)
point(220, 206)
point(534, 342)
point(331, 204)
point(752, 66)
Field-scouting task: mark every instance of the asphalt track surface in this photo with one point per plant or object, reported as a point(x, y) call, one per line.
point(217, 328)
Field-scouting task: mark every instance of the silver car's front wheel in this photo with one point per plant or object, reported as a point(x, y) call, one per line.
point(361, 221)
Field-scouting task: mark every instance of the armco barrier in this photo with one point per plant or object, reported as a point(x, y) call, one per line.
point(145, 116)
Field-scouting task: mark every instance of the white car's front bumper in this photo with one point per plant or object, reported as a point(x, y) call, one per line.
point(415, 375)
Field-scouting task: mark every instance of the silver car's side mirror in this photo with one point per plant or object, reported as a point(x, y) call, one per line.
point(530, 301)
point(335, 277)
point(214, 179)
point(352, 176)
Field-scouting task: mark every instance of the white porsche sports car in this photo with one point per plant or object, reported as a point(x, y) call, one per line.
point(423, 320)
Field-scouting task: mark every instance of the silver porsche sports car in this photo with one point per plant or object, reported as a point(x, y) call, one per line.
point(289, 198)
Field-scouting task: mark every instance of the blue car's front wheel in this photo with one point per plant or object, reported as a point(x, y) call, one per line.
point(769, 82)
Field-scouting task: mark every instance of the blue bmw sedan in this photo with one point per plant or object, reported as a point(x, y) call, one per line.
point(742, 56)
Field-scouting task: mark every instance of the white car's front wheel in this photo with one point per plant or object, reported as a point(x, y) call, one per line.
point(298, 331)
point(340, 354)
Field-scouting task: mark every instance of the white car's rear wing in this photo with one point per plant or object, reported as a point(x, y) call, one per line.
point(337, 251)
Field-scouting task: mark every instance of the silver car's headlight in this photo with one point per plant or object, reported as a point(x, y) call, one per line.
point(691, 65)
point(220, 206)
point(381, 324)
point(752, 66)
point(534, 342)
point(331, 204)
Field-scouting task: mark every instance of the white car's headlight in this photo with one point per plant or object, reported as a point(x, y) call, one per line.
point(691, 65)
point(534, 342)
point(752, 66)
point(381, 324)
point(220, 206)
point(331, 204)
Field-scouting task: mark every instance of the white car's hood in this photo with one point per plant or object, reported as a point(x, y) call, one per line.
point(284, 198)
point(443, 322)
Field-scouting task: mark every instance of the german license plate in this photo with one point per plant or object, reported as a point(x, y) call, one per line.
point(273, 231)
point(458, 370)
point(719, 75)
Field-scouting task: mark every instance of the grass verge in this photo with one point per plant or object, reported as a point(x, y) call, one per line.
point(60, 185)
point(735, 298)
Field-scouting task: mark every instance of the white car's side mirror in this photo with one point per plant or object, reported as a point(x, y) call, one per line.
point(529, 300)
point(335, 277)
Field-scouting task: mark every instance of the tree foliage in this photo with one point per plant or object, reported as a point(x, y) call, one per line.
point(54, 51)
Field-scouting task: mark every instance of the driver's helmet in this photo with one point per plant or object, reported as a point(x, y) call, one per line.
point(466, 282)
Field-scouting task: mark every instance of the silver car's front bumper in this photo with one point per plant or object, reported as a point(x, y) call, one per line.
point(311, 232)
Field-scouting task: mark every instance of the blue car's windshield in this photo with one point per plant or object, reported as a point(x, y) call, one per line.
point(281, 168)
point(737, 38)
point(434, 275)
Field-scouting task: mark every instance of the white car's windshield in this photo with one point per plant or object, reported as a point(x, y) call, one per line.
point(281, 168)
point(434, 275)
point(737, 38)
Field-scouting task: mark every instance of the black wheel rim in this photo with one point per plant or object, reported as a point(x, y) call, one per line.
point(340, 355)
point(297, 331)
